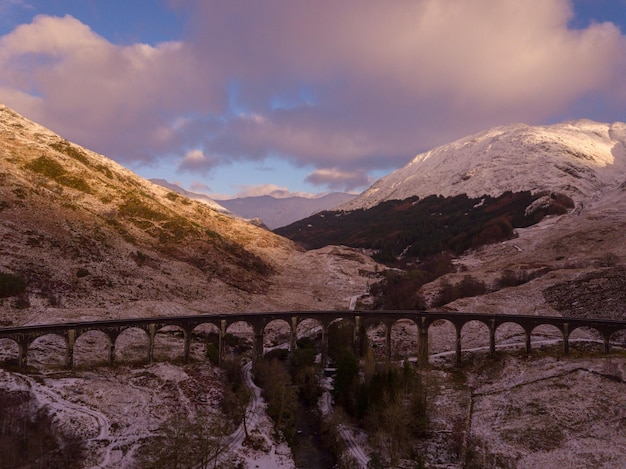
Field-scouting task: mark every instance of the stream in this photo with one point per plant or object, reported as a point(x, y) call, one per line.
point(309, 450)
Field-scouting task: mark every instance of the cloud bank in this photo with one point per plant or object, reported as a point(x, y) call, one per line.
point(345, 87)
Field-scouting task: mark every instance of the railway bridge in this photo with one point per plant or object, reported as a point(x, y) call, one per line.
point(70, 332)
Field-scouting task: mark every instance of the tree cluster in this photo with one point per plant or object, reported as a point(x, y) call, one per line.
point(272, 375)
point(388, 401)
point(467, 287)
point(186, 441)
point(11, 285)
point(29, 436)
point(404, 230)
point(400, 289)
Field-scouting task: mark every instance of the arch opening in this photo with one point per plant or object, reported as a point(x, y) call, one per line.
point(131, 346)
point(91, 348)
point(9, 352)
point(169, 343)
point(276, 334)
point(404, 334)
point(238, 340)
point(510, 335)
point(441, 336)
point(586, 340)
point(376, 333)
point(340, 337)
point(205, 343)
point(546, 336)
point(309, 335)
point(47, 351)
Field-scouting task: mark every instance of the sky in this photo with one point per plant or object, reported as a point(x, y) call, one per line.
point(238, 98)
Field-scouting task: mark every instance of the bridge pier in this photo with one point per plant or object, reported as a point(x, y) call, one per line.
point(492, 338)
point(292, 336)
point(457, 345)
point(151, 336)
point(257, 346)
point(112, 353)
point(324, 345)
point(356, 339)
point(527, 337)
point(607, 344)
point(22, 357)
point(422, 346)
point(388, 326)
point(565, 339)
point(221, 342)
point(70, 338)
point(187, 345)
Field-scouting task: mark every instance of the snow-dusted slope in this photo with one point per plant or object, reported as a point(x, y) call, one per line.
point(577, 158)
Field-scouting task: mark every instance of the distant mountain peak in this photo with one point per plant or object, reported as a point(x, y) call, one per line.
point(578, 157)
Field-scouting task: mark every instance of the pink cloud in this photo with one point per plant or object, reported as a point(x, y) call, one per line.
point(336, 179)
point(384, 80)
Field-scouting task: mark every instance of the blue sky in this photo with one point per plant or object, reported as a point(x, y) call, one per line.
point(251, 97)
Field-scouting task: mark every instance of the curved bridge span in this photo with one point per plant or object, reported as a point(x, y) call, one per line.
point(25, 335)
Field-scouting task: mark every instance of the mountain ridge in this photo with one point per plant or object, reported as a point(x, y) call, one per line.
point(276, 212)
point(577, 158)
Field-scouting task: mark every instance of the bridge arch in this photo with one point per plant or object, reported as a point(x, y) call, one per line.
point(470, 328)
point(169, 343)
point(90, 344)
point(49, 349)
point(508, 330)
point(403, 331)
point(132, 344)
point(547, 330)
point(310, 329)
point(341, 333)
point(9, 350)
point(205, 342)
point(592, 332)
point(277, 332)
point(239, 337)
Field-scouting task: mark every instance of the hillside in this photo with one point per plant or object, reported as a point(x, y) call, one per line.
point(403, 231)
point(576, 158)
point(89, 238)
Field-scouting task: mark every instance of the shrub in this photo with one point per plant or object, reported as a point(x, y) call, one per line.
point(46, 167)
point(67, 149)
point(11, 285)
point(468, 286)
point(510, 278)
point(80, 273)
point(75, 182)
point(134, 207)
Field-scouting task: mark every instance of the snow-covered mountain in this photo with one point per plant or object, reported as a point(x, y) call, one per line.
point(266, 210)
point(276, 212)
point(578, 158)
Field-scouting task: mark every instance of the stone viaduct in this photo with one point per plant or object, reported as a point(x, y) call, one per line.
point(25, 335)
